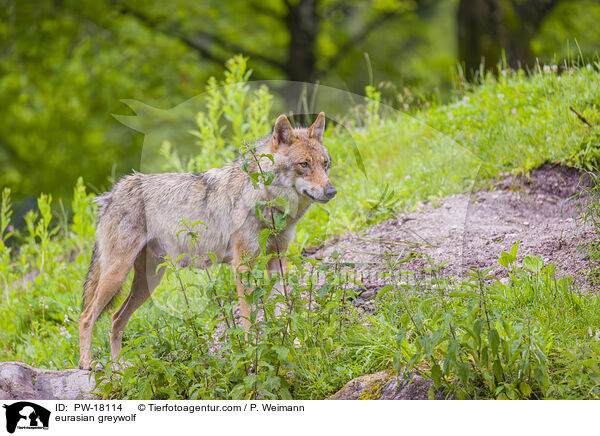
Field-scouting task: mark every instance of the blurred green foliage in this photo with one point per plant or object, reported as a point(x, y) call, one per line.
point(66, 64)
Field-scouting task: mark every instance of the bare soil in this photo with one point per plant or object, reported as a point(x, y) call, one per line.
point(541, 210)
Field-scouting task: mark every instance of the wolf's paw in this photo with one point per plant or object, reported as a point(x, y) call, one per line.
point(91, 366)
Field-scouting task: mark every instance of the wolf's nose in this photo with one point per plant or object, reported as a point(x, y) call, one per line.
point(329, 191)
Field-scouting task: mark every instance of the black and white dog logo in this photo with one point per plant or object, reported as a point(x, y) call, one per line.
point(26, 415)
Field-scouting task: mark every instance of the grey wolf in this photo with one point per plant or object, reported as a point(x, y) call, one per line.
point(139, 220)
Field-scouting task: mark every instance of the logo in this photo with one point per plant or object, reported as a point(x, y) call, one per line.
point(26, 415)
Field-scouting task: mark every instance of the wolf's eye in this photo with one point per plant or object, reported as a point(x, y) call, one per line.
point(326, 163)
point(303, 164)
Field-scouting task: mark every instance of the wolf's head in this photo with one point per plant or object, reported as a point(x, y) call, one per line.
point(301, 160)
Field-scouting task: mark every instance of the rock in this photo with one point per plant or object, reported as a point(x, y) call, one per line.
point(19, 381)
point(385, 386)
point(309, 251)
point(369, 293)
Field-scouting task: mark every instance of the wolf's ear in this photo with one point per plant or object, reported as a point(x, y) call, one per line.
point(282, 132)
point(316, 130)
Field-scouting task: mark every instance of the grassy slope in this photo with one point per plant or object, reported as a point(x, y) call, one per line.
point(509, 124)
point(512, 123)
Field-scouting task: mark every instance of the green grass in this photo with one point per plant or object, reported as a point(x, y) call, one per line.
point(540, 330)
point(509, 123)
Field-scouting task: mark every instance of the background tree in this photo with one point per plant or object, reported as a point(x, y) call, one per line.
point(486, 28)
point(290, 29)
point(491, 29)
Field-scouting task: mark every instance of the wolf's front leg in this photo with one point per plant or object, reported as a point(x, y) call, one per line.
point(241, 268)
point(274, 267)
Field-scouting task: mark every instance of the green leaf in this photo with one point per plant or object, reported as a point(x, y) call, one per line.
point(263, 236)
point(427, 344)
point(431, 393)
point(213, 258)
point(464, 294)
point(506, 259)
point(485, 360)
point(503, 261)
point(494, 339)
point(498, 371)
point(398, 361)
point(296, 260)
point(525, 389)
point(180, 257)
point(254, 179)
point(414, 359)
point(249, 380)
point(268, 156)
point(268, 177)
point(436, 375)
point(540, 376)
point(506, 326)
point(514, 249)
point(400, 337)
point(510, 392)
point(280, 220)
point(451, 356)
point(506, 348)
point(477, 326)
point(285, 394)
point(384, 290)
point(258, 211)
point(437, 336)
point(323, 290)
point(533, 263)
point(265, 364)
point(282, 352)
point(283, 204)
point(272, 383)
point(464, 373)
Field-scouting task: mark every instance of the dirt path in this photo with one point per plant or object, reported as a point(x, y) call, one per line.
point(471, 230)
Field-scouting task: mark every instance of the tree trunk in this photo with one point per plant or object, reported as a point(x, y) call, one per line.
point(478, 38)
point(303, 25)
point(486, 28)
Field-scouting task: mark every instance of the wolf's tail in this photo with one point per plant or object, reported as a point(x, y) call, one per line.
point(91, 279)
point(93, 275)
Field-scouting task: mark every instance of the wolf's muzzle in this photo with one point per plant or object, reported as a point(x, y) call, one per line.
point(329, 191)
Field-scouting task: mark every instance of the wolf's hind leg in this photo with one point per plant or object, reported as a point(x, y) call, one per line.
point(110, 281)
point(145, 280)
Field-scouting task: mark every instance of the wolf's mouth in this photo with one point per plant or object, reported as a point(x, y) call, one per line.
point(313, 198)
point(305, 192)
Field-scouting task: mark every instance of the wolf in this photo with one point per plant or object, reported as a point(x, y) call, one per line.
point(139, 222)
